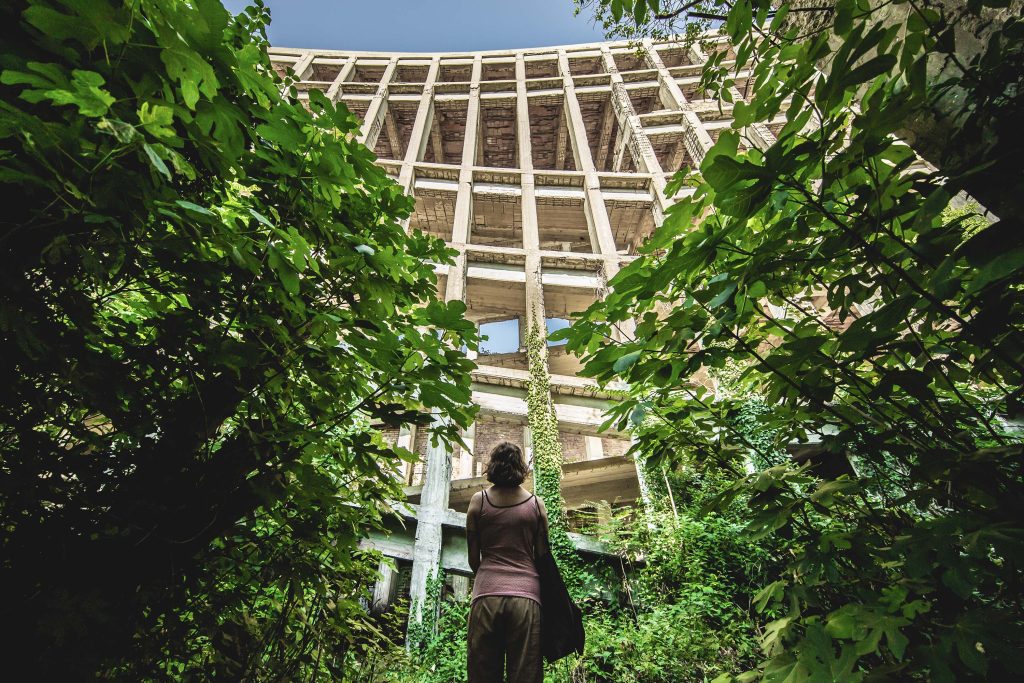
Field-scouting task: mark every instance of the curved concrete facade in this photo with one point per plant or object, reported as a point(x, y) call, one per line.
point(544, 169)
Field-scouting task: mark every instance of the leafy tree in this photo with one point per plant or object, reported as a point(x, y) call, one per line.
point(205, 300)
point(879, 324)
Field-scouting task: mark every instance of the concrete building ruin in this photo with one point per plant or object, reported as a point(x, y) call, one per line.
point(544, 168)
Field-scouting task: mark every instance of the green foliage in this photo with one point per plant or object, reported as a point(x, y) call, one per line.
point(686, 610)
point(881, 330)
point(206, 299)
point(439, 655)
point(547, 461)
point(660, 19)
point(421, 631)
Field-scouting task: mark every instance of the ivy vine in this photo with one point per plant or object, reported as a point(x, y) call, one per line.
point(547, 461)
point(423, 629)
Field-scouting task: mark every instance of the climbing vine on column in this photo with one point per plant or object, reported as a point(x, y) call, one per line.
point(547, 461)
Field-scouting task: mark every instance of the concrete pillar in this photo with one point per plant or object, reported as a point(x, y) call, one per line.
point(406, 440)
point(456, 287)
point(384, 588)
point(334, 92)
point(304, 67)
point(696, 139)
point(642, 481)
point(378, 108)
point(460, 586)
point(593, 447)
point(635, 139)
point(418, 138)
point(465, 470)
point(601, 236)
point(531, 233)
point(434, 497)
point(426, 551)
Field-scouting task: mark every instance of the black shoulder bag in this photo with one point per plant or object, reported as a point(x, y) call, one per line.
point(561, 624)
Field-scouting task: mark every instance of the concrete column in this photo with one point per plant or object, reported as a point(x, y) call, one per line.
point(456, 288)
point(635, 139)
point(434, 497)
point(384, 588)
point(696, 139)
point(407, 440)
point(593, 447)
point(465, 470)
point(531, 233)
point(426, 551)
point(601, 236)
point(460, 586)
point(304, 67)
point(418, 138)
point(334, 92)
point(378, 108)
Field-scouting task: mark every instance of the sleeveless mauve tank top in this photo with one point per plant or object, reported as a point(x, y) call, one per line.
point(507, 535)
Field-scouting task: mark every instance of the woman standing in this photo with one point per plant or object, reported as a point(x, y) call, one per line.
point(506, 527)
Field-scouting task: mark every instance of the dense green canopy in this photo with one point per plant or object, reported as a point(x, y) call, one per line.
point(874, 316)
point(206, 295)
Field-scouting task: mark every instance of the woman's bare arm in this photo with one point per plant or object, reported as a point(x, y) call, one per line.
point(472, 539)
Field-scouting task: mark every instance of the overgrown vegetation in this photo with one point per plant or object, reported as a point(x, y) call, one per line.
point(547, 462)
point(206, 296)
point(881, 330)
point(676, 608)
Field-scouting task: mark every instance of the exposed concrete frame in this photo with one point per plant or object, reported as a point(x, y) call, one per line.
point(378, 108)
point(334, 92)
point(623, 140)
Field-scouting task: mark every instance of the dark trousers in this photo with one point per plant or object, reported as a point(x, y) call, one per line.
point(504, 634)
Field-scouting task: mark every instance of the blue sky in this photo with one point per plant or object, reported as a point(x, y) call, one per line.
point(425, 25)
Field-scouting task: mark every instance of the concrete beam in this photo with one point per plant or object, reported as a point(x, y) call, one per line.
point(601, 237)
point(334, 92)
point(471, 147)
point(378, 108)
point(604, 141)
point(418, 137)
point(304, 67)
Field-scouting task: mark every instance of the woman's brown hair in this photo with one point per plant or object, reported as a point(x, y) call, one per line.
point(506, 466)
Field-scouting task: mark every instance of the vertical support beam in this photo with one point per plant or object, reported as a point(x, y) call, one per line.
point(636, 139)
point(384, 588)
point(460, 586)
point(696, 139)
point(593, 447)
point(334, 92)
point(418, 137)
point(426, 551)
point(643, 483)
point(378, 108)
point(434, 496)
point(466, 454)
point(604, 142)
point(456, 287)
point(531, 230)
point(407, 440)
point(601, 236)
point(304, 67)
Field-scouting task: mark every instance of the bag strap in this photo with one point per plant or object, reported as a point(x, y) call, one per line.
point(540, 529)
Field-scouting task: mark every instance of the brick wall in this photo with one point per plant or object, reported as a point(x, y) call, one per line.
point(489, 433)
point(573, 447)
point(613, 447)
